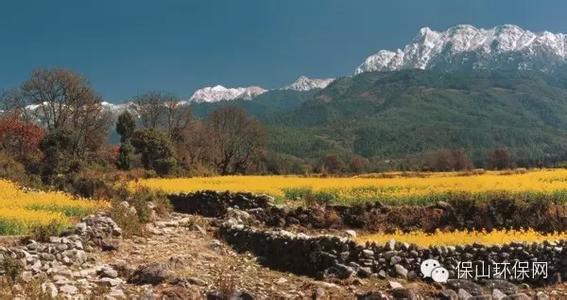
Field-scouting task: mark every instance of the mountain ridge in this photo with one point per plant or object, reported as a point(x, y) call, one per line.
point(467, 47)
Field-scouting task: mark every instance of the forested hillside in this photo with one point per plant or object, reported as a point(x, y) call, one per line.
point(398, 117)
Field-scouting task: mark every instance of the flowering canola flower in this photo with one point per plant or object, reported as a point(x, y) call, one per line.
point(21, 211)
point(396, 188)
point(454, 238)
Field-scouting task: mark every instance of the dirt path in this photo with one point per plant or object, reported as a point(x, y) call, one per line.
point(192, 252)
point(200, 264)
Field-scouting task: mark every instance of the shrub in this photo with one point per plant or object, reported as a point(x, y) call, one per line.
point(12, 268)
point(144, 201)
point(43, 232)
point(15, 171)
point(156, 150)
point(128, 222)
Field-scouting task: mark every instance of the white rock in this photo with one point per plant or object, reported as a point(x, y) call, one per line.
point(50, 289)
point(351, 233)
point(68, 289)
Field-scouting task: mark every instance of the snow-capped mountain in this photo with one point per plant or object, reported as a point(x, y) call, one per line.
point(220, 93)
point(304, 83)
point(115, 108)
point(506, 47)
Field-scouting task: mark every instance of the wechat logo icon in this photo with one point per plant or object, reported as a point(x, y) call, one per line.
point(432, 268)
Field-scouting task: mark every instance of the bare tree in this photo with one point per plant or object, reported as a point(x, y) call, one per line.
point(159, 110)
point(237, 139)
point(62, 99)
point(177, 116)
point(150, 108)
point(194, 145)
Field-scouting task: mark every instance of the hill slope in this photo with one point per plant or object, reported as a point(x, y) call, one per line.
point(401, 114)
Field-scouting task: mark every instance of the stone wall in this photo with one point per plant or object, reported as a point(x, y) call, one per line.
point(495, 214)
point(215, 204)
point(330, 256)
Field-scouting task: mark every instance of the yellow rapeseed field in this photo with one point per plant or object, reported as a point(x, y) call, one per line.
point(495, 237)
point(394, 188)
point(21, 211)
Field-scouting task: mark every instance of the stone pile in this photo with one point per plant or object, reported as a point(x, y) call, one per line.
point(63, 264)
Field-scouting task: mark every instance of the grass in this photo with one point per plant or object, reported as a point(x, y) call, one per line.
point(389, 188)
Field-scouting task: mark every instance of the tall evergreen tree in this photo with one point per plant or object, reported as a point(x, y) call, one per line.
point(125, 126)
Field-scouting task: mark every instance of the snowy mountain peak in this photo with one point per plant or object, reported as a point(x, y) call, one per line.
point(304, 83)
point(220, 93)
point(467, 47)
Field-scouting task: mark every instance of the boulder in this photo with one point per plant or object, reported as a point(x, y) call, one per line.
point(152, 273)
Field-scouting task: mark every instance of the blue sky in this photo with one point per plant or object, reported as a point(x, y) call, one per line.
point(126, 47)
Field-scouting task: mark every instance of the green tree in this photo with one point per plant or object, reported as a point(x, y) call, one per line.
point(156, 150)
point(125, 126)
point(59, 155)
point(124, 156)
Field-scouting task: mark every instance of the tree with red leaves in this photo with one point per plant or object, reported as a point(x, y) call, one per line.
point(19, 138)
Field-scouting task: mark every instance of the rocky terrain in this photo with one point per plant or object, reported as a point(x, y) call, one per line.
point(230, 254)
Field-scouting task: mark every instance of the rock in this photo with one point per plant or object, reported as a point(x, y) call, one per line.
point(519, 296)
point(215, 244)
point(339, 271)
point(78, 245)
point(152, 273)
point(395, 285)
point(541, 296)
point(373, 295)
point(200, 229)
point(403, 293)
point(556, 278)
point(497, 294)
point(26, 276)
point(196, 281)
point(467, 285)
point(364, 272)
point(326, 285)
point(367, 253)
point(412, 275)
point(464, 295)
point(110, 245)
point(55, 240)
point(481, 297)
point(108, 272)
point(351, 233)
point(391, 245)
point(110, 281)
point(448, 295)
point(401, 271)
point(116, 293)
point(395, 260)
point(68, 289)
point(81, 227)
point(503, 286)
point(220, 295)
point(319, 293)
point(49, 289)
point(443, 205)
